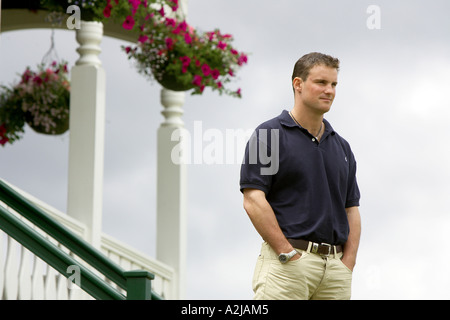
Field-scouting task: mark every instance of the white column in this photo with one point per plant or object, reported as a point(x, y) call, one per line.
point(87, 127)
point(171, 189)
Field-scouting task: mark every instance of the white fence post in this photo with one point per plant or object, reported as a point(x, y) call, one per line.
point(171, 190)
point(87, 131)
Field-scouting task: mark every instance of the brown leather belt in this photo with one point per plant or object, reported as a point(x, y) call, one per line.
point(324, 249)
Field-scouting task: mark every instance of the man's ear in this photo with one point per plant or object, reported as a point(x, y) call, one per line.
point(297, 84)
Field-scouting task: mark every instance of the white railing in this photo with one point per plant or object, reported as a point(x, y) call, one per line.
point(23, 276)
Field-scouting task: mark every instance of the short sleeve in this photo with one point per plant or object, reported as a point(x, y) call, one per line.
point(253, 166)
point(353, 194)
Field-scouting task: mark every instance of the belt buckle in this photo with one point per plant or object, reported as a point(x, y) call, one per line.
point(329, 249)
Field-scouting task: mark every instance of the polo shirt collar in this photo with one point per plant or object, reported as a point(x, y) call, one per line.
point(286, 120)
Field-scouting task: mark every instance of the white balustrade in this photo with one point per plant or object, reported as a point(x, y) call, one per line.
point(87, 132)
point(171, 201)
point(24, 276)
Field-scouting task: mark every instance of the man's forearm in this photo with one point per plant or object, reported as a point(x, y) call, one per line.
point(263, 218)
point(352, 244)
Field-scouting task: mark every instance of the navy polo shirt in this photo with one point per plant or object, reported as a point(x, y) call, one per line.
point(308, 183)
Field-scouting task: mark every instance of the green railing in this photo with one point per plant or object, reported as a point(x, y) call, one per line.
point(136, 283)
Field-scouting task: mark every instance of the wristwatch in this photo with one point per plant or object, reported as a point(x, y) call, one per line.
point(285, 257)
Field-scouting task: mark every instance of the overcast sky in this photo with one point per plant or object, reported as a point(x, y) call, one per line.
point(392, 106)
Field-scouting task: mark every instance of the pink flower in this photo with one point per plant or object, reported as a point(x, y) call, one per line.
point(128, 49)
point(135, 4)
point(222, 45)
point(176, 30)
point(107, 11)
point(171, 22)
point(3, 137)
point(187, 38)
point(26, 76)
point(210, 35)
point(242, 59)
point(197, 80)
point(2, 130)
point(230, 72)
point(215, 74)
point(206, 69)
point(219, 84)
point(128, 23)
point(175, 5)
point(142, 39)
point(238, 92)
point(37, 80)
point(169, 43)
point(185, 61)
point(233, 51)
point(183, 25)
point(161, 11)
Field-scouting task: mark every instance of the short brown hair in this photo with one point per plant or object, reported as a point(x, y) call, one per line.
point(305, 64)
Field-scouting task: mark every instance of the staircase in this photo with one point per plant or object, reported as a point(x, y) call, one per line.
point(43, 256)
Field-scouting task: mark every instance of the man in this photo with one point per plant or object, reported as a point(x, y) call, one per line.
point(306, 207)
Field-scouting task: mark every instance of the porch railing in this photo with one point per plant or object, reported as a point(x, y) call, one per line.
point(66, 254)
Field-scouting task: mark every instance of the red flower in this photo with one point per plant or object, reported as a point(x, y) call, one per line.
point(128, 23)
point(2, 130)
point(135, 4)
point(197, 80)
point(215, 74)
point(3, 137)
point(187, 38)
point(222, 45)
point(185, 61)
point(107, 11)
point(175, 5)
point(37, 80)
point(183, 25)
point(171, 22)
point(242, 59)
point(142, 39)
point(169, 43)
point(206, 69)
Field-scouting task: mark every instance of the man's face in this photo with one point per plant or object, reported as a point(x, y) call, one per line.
point(318, 91)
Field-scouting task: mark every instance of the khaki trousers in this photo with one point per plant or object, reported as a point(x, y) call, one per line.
point(311, 277)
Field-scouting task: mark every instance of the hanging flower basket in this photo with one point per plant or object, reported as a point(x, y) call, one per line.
point(181, 58)
point(168, 50)
point(41, 99)
point(172, 82)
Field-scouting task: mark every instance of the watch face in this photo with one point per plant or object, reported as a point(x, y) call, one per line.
point(283, 258)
